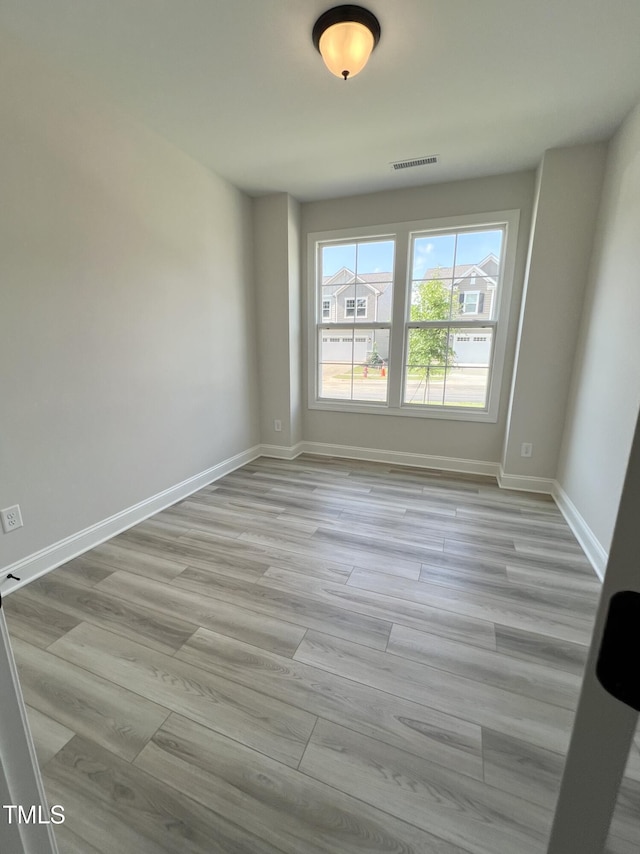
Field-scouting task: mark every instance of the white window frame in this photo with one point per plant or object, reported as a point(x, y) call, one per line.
point(326, 316)
point(402, 234)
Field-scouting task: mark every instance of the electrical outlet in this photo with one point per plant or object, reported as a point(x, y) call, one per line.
point(526, 449)
point(277, 425)
point(11, 518)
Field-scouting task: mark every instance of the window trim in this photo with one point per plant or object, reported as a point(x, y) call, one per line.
point(401, 233)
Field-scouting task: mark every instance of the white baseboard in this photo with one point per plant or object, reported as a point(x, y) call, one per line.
point(400, 458)
point(591, 545)
point(280, 452)
point(38, 564)
point(523, 483)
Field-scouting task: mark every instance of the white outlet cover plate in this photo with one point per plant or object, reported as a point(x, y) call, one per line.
point(11, 518)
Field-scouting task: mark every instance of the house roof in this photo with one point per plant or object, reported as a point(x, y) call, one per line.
point(462, 270)
point(381, 281)
point(378, 282)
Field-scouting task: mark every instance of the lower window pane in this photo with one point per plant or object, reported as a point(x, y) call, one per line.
point(354, 365)
point(448, 367)
point(425, 384)
point(466, 386)
point(426, 366)
point(335, 381)
point(472, 347)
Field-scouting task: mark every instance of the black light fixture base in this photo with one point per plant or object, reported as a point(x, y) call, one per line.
point(340, 14)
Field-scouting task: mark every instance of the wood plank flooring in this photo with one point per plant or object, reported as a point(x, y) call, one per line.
point(316, 656)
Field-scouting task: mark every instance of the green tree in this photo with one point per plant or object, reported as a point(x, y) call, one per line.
point(429, 348)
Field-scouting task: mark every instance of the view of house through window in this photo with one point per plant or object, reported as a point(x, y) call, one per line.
point(442, 358)
point(454, 281)
point(357, 288)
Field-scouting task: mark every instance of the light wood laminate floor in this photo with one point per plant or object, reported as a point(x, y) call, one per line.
point(315, 657)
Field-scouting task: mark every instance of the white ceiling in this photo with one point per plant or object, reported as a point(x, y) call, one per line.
point(486, 84)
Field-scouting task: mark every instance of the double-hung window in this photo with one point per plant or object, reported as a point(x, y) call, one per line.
point(419, 318)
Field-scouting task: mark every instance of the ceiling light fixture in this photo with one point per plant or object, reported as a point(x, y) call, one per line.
point(345, 37)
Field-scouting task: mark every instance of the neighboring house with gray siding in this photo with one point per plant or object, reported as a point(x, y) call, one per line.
point(366, 298)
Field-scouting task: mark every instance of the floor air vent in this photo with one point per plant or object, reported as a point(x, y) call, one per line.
point(416, 161)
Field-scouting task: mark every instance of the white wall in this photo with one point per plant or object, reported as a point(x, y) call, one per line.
point(466, 440)
point(276, 224)
point(568, 189)
point(605, 393)
point(127, 341)
point(271, 264)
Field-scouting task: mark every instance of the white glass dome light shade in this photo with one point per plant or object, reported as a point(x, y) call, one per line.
point(345, 36)
point(346, 48)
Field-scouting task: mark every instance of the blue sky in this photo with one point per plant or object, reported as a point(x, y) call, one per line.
point(428, 252)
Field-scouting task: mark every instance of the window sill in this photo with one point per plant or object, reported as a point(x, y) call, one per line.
point(407, 411)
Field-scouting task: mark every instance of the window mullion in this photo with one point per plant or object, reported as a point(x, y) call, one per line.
point(399, 313)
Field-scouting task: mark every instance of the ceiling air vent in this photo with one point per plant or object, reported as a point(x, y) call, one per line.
point(416, 161)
